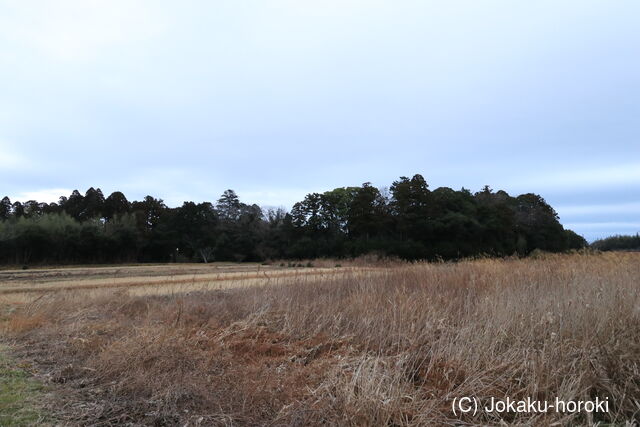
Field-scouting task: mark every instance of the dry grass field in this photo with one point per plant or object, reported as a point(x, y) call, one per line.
point(390, 344)
point(22, 286)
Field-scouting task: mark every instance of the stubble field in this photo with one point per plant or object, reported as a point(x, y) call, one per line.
point(22, 286)
point(390, 344)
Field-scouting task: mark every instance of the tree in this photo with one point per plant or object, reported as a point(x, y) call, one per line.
point(196, 226)
point(454, 224)
point(410, 205)
point(366, 212)
point(51, 208)
point(248, 233)
point(539, 224)
point(5, 208)
point(17, 209)
point(412, 222)
point(228, 206)
point(335, 208)
point(115, 205)
point(277, 233)
point(92, 204)
point(618, 243)
point(74, 205)
point(309, 211)
point(575, 241)
point(33, 209)
point(496, 215)
point(148, 212)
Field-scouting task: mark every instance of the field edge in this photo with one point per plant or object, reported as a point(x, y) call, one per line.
point(20, 394)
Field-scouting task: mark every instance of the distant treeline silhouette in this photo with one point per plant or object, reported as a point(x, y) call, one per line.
point(408, 220)
point(618, 243)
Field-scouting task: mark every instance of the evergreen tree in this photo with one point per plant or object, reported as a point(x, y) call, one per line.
point(115, 205)
point(5, 208)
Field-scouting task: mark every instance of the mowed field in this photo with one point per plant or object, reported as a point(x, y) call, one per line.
point(20, 286)
point(362, 344)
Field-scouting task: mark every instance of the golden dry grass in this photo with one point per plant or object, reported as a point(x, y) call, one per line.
point(19, 287)
point(390, 348)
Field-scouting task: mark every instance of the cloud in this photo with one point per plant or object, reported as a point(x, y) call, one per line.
point(598, 230)
point(613, 208)
point(591, 178)
point(268, 198)
point(9, 159)
point(78, 29)
point(610, 225)
point(47, 195)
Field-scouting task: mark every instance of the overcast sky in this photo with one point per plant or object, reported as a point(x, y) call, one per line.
point(276, 99)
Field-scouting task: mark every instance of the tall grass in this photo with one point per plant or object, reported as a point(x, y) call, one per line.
point(386, 348)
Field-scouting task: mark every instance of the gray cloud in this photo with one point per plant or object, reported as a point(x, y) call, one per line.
point(282, 98)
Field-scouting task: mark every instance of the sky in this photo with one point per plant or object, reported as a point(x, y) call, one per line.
point(279, 98)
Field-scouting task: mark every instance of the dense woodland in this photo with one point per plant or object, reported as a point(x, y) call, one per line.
point(618, 243)
point(408, 220)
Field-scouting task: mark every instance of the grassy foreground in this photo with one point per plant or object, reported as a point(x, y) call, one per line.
point(391, 348)
point(18, 395)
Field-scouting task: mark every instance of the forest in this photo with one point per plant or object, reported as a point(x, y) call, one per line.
point(408, 220)
point(618, 243)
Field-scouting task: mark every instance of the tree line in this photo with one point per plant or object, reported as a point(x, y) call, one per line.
point(407, 220)
point(618, 243)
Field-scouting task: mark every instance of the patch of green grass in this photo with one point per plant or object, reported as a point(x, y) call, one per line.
point(18, 395)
